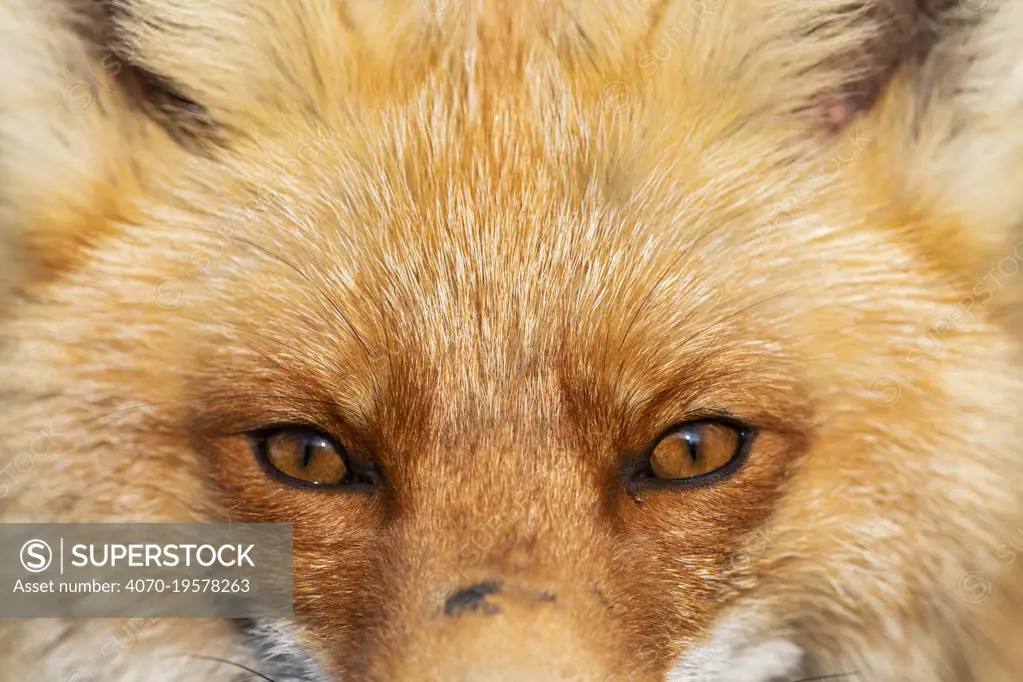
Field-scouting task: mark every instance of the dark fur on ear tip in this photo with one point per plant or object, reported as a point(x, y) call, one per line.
point(185, 120)
point(906, 31)
point(897, 32)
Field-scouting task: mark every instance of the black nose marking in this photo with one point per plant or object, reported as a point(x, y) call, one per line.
point(472, 598)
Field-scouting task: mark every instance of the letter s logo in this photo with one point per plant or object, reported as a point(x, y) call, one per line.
point(36, 556)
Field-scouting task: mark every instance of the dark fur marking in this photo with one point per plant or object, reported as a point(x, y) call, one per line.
point(472, 598)
point(185, 120)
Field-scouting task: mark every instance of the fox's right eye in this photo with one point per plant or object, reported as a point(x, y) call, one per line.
point(305, 455)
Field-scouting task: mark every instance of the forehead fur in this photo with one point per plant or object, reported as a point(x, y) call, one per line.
point(476, 267)
point(509, 199)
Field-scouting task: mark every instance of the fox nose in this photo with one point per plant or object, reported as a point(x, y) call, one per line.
point(497, 627)
point(488, 597)
point(473, 598)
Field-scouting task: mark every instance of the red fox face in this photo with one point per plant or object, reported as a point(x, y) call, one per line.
point(575, 343)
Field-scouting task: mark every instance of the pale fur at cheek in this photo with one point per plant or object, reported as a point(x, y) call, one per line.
point(282, 655)
point(735, 653)
point(133, 650)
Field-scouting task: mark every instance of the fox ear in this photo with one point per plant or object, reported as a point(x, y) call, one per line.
point(98, 95)
point(825, 60)
point(143, 82)
point(893, 32)
point(226, 66)
point(964, 155)
point(937, 83)
point(64, 126)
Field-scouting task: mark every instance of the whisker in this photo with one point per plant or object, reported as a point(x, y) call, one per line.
point(216, 659)
point(380, 301)
point(833, 676)
point(737, 313)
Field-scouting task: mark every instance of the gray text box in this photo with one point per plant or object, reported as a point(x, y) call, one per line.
point(145, 570)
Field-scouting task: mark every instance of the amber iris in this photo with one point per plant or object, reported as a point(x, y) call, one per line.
point(694, 449)
point(305, 456)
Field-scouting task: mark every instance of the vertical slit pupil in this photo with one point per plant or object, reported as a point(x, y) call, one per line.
point(692, 438)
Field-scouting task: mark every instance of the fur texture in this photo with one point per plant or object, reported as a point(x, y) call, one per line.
point(497, 248)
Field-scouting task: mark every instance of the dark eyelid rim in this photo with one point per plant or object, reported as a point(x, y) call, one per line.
point(368, 473)
point(636, 465)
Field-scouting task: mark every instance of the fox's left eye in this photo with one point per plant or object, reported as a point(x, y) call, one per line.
point(694, 449)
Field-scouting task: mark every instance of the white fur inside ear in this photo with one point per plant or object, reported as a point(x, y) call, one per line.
point(735, 654)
